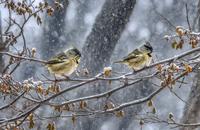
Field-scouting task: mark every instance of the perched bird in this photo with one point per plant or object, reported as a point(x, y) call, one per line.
point(138, 58)
point(65, 63)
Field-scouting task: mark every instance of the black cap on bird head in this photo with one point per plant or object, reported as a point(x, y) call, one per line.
point(74, 51)
point(148, 46)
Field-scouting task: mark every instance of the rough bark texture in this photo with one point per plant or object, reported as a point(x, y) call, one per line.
point(100, 44)
point(191, 112)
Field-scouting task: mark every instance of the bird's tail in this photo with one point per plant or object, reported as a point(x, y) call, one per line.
point(120, 61)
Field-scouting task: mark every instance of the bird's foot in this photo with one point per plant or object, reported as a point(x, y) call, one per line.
point(135, 71)
point(66, 77)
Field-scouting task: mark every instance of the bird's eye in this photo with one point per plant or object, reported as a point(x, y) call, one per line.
point(71, 53)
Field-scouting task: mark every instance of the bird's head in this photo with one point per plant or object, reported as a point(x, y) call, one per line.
point(147, 48)
point(73, 53)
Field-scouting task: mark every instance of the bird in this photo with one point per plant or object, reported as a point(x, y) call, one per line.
point(138, 58)
point(64, 63)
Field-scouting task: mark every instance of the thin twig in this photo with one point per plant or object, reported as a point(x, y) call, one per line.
point(187, 17)
point(22, 57)
point(8, 105)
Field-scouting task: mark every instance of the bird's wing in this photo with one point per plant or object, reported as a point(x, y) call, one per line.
point(133, 55)
point(58, 58)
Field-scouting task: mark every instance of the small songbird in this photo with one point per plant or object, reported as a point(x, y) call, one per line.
point(138, 58)
point(65, 63)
